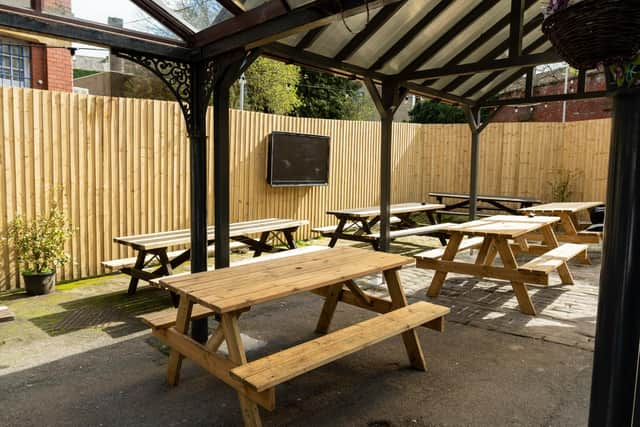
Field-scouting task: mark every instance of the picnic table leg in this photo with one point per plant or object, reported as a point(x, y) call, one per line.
point(182, 326)
point(263, 241)
point(410, 338)
point(449, 253)
point(552, 241)
point(229, 322)
point(288, 235)
point(133, 283)
point(337, 232)
point(486, 249)
point(329, 308)
point(519, 288)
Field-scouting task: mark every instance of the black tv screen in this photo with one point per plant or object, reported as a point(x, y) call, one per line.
point(296, 159)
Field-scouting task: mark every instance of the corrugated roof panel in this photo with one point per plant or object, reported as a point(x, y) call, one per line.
point(391, 32)
point(428, 35)
point(293, 39)
point(468, 35)
point(470, 82)
point(340, 32)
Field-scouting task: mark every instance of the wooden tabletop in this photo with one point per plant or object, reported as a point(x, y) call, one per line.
point(183, 237)
point(562, 207)
point(399, 208)
point(508, 226)
point(239, 287)
point(515, 199)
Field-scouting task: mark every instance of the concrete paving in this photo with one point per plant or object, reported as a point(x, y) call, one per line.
point(79, 357)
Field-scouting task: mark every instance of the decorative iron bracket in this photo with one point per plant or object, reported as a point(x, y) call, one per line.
point(179, 78)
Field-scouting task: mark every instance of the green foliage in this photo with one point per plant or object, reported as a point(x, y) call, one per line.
point(436, 112)
point(330, 97)
point(270, 87)
point(39, 244)
point(562, 185)
point(77, 73)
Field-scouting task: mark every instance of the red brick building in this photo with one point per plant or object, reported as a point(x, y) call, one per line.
point(586, 109)
point(29, 60)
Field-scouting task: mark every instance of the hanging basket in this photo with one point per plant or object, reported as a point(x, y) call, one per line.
point(595, 31)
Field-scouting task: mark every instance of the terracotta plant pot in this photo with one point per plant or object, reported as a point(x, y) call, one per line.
point(39, 283)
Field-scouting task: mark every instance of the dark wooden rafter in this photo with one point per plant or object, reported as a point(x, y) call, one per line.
point(312, 60)
point(478, 42)
point(369, 30)
point(89, 32)
point(472, 16)
point(495, 52)
point(233, 6)
point(515, 28)
point(494, 75)
point(411, 34)
point(271, 22)
point(165, 18)
point(310, 37)
point(36, 5)
point(485, 66)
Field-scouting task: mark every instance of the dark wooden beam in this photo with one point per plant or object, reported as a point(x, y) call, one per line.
point(582, 81)
point(291, 54)
point(473, 15)
point(95, 34)
point(233, 6)
point(310, 37)
point(411, 34)
point(544, 98)
point(515, 28)
point(167, 19)
point(271, 22)
point(36, 5)
point(482, 39)
point(369, 30)
point(516, 75)
point(484, 66)
point(495, 52)
point(528, 86)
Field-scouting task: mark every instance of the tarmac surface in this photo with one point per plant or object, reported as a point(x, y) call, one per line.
point(80, 357)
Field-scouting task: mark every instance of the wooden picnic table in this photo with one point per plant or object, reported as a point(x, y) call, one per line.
point(496, 202)
point(502, 235)
point(573, 229)
point(152, 247)
point(356, 224)
point(329, 273)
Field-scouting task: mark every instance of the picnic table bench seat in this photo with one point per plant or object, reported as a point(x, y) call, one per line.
point(465, 245)
point(554, 258)
point(167, 318)
point(269, 371)
point(151, 259)
point(328, 229)
point(414, 231)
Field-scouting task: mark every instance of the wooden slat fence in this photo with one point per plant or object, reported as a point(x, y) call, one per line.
point(123, 165)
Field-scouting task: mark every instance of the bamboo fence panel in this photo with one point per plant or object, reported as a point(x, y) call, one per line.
point(121, 166)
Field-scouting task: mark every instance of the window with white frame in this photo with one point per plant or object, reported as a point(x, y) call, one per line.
point(15, 64)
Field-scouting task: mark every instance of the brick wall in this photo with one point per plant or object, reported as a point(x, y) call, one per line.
point(586, 109)
point(59, 70)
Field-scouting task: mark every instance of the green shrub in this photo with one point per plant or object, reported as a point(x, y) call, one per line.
point(39, 244)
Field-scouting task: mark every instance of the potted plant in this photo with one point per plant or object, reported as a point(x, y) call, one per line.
point(39, 248)
point(597, 33)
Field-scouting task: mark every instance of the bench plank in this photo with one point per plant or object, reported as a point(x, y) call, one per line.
point(553, 259)
point(167, 318)
point(265, 373)
point(117, 264)
point(328, 229)
point(465, 245)
point(415, 231)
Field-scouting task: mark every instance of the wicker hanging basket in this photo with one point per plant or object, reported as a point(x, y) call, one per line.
point(595, 31)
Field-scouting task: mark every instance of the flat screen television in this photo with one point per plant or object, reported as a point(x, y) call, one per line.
point(296, 159)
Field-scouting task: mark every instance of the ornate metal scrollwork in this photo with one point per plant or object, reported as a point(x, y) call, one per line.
point(178, 76)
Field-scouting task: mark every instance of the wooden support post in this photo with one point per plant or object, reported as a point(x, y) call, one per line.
point(329, 308)
point(182, 326)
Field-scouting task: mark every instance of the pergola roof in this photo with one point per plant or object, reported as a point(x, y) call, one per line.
point(459, 51)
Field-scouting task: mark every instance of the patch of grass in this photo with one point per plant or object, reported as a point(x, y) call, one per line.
point(65, 286)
